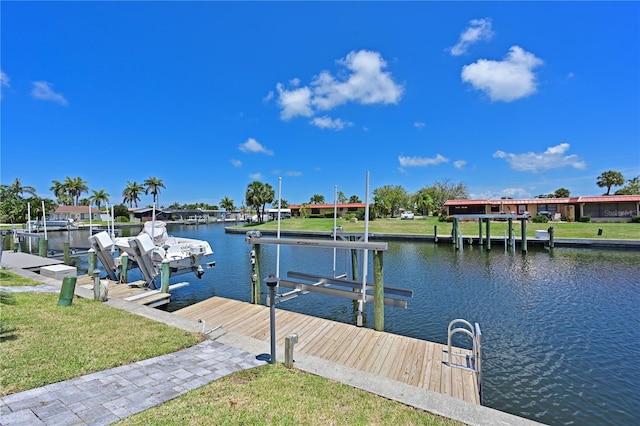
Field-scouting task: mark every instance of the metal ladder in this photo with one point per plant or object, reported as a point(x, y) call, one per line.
point(473, 361)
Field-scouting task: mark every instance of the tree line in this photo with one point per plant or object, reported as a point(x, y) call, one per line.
point(388, 200)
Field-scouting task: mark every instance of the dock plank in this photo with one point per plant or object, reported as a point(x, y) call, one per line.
point(412, 361)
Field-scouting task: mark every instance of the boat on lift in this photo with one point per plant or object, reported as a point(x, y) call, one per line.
point(150, 249)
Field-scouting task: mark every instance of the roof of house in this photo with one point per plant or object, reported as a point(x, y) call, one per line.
point(330, 206)
point(564, 200)
point(76, 209)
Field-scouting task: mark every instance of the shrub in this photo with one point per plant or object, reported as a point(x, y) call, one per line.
point(350, 216)
point(121, 219)
point(635, 219)
point(584, 219)
point(540, 218)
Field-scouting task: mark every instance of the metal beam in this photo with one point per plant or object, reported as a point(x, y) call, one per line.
point(348, 294)
point(405, 292)
point(358, 245)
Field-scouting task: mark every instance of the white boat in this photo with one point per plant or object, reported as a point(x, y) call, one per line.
point(150, 249)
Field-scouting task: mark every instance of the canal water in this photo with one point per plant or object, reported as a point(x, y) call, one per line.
point(561, 328)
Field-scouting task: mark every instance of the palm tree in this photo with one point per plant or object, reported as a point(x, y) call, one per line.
point(153, 185)
point(99, 197)
point(258, 195)
point(227, 204)
point(354, 199)
point(19, 189)
point(252, 195)
point(610, 178)
point(317, 199)
point(423, 202)
point(75, 187)
point(132, 192)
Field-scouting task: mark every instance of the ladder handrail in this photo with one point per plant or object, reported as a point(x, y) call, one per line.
point(474, 332)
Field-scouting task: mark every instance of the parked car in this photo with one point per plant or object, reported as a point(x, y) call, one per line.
point(546, 213)
point(407, 215)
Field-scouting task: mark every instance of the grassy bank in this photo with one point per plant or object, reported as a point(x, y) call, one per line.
point(53, 343)
point(420, 226)
point(274, 395)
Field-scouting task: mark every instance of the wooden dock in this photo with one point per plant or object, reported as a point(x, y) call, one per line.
point(408, 360)
point(133, 292)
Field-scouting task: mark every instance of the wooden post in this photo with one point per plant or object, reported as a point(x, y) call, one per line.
point(96, 284)
point(91, 259)
point(378, 291)
point(289, 342)
point(488, 243)
point(480, 231)
point(255, 277)
point(523, 240)
point(552, 243)
point(124, 274)
point(510, 231)
point(67, 248)
point(454, 233)
point(435, 233)
point(164, 288)
point(42, 247)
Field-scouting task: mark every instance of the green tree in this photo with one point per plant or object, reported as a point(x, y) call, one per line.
point(120, 210)
point(423, 202)
point(317, 199)
point(393, 198)
point(631, 188)
point(131, 194)
point(610, 178)
point(153, 185)
point(75, 187)
point(283, 204)
point(441, 191)
point(562, 193)
point(354, 199)
point(341, 197)
point(258, 194)
point(227, 204)
point(19, 189)
point(98, 197)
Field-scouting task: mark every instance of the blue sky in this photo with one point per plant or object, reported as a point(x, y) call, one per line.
point(512, 98)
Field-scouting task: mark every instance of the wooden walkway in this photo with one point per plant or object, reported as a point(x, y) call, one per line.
point(134, 292)
point(408, 360)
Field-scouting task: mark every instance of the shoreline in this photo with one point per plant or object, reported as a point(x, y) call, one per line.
point(447, 239)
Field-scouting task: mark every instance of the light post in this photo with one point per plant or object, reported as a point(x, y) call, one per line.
point(272, 282)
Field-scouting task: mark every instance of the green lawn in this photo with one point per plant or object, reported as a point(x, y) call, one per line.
point(274, 395)
point(625, 231)
point(52, 343)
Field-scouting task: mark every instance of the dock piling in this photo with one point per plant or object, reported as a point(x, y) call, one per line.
point(378, 291)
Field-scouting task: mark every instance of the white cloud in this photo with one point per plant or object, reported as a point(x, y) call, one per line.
point(329, 123)
point(256, 176)
point(294, 102)
point(4, 81)
point(419, 124)
point(236, 163)
point(252, 145)
point(293, 173)
point(459, 164)
point(362, 82)
point(421, 161)
point(517, 193)
point(553, 158)
point(42, 90)
point(507, 80)
point(477, 30)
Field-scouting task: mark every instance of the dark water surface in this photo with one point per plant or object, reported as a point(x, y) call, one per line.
point(561, 329)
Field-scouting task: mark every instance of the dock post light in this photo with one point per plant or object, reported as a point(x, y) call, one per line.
point(272, 282)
